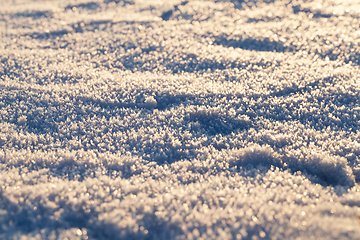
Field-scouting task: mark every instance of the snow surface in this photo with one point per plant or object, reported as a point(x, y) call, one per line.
point(201, 119)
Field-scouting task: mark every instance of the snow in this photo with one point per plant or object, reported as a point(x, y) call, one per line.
point(200, 119)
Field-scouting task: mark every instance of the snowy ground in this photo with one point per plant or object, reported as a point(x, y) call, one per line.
point(162, 119)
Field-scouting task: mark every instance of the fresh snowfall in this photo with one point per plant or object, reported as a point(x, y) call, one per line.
point(170, 119)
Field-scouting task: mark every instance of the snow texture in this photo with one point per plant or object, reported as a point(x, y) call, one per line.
point(167, 119)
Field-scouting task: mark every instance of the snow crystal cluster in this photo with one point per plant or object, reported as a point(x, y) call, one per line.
point(199, 119)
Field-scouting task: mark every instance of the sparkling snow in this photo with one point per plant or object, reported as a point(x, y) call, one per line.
point(199, 119)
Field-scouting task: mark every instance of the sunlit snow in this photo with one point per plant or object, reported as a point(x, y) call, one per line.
point(199, 119)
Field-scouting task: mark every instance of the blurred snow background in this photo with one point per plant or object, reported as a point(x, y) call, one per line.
point(199, 119)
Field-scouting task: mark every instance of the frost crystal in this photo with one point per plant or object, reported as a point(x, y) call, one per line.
point(202, 119)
